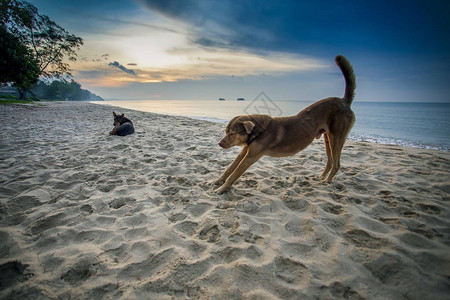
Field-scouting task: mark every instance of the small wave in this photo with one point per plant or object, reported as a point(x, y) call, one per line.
point(390, 141)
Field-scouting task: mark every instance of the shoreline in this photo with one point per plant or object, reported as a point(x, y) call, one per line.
point(223, 123)
point(353, 135)
point(88, 215)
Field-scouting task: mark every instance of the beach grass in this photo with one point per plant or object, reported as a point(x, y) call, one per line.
point(14, 101)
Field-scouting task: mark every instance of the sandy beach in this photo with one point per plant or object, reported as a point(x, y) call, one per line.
point(86, 215)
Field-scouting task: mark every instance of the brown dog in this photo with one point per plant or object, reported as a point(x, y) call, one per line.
point(263, 135)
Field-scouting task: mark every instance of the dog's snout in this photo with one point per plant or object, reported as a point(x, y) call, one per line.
point(224, 143)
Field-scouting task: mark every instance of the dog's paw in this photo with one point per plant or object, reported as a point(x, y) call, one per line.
point(222, 189)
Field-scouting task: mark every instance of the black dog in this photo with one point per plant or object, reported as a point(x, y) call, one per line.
point(122, 125)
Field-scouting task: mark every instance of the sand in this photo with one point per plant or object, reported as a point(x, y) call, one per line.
point(85, 215)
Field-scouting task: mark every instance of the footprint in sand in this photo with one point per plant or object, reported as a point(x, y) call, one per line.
point(187, 227)
point(295, 227)
point(13, 272)
point(428, 208)
point(151, 265)
point(211, 234)
point(362, 239)
point(250, 183)
point(249, 207)
point(81, 271)
point(290, 271)
point(119, 202)
point(388, 268)
point(426, 231)
point(339, 291)
point(247, 236)
point(294, 201)
point(170, 191)
point(51, 262)
point(352, 200)
point(209, 231)
point(46, 223)
point(410, 214)
point(390, 221)
point(177, 217)
point(390, 201)
point(332, 209)
point(87, 208)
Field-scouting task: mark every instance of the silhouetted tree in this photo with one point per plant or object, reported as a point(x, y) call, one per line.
point(48, 42)
point(62, 90)
point(17, 63)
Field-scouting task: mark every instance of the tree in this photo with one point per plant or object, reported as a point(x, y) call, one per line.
point(17, 63)
point(62, 90)
point(48, 42)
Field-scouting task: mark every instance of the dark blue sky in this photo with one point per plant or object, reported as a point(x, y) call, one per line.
point(315, 26)
point(399, 49)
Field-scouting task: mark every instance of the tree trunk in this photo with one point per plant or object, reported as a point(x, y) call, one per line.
point(22, 93)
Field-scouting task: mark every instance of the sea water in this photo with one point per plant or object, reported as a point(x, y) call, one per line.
point(424, 125)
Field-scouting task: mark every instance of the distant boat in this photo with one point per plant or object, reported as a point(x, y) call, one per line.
point(221, 99)
point(240, 99)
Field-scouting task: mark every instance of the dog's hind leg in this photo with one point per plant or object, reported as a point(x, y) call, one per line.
point(337, 137)
point(125, 129)
point(336, 145)
point(329, 157)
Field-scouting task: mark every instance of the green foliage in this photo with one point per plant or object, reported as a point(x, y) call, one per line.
point(8, 97)
point(17, 63)
point(16, 101)
point(61, 90)
point(33, 45)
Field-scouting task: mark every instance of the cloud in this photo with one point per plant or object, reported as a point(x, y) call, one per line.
point(256, 25)
point(198, 64)
point(117, 65)
point(141, 24)
point(311, 26)
point(153, 56)
point(107, 77)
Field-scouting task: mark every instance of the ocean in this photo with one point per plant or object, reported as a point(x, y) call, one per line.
point(422, 125)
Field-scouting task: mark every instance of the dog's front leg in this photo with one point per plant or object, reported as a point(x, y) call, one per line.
point(113, 132)
point(232, 167)
point(248, 160)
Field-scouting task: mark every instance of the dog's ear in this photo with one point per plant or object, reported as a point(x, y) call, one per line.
point(114, 114)
point(248, 125)
point(260, 123)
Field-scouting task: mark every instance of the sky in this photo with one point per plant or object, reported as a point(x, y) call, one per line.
point(187, 49)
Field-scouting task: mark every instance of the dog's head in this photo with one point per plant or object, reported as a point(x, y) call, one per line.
point(241, 129)
point(118, 119)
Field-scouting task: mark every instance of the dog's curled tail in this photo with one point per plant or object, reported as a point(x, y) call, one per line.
point(349, 76)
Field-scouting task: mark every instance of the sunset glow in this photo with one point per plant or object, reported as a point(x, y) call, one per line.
point(155, 56)
point(284, 48)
